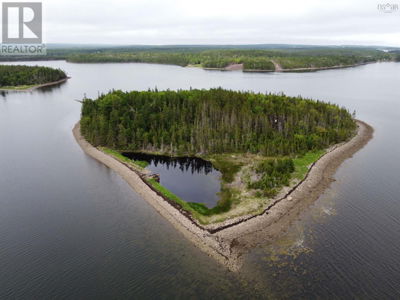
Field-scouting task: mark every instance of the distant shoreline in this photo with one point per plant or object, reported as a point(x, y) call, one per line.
point(311, 69)
point(279, 69)
point(233, 67)
point(228, 240)
point(30, 89)
point(239, 67)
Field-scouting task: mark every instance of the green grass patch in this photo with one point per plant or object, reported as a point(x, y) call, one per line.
point(195, 210)
point(139, 163)
point(302, 164)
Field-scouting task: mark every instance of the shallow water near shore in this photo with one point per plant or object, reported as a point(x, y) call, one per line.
point(71, 228)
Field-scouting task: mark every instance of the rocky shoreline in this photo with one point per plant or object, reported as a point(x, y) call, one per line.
point(226, 242)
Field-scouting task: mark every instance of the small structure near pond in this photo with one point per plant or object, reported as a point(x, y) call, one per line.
point(154, 176)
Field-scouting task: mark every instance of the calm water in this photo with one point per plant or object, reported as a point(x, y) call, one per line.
point(71, 228)
point(192, 179)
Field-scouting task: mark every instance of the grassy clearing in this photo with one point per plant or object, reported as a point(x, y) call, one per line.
point(302, 164)
point(138, 163)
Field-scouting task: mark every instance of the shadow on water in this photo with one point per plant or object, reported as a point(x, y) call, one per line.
point(185, 164)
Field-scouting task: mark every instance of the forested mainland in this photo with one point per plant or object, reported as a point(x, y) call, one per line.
point(269, 138)
point(19, 75)
point(223, 57)
point(249, 59)
point(245, 57)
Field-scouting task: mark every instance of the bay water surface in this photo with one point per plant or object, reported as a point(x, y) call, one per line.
point(70, 228)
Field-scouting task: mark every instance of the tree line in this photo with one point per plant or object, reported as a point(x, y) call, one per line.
point(251, 59)
point(200, 122)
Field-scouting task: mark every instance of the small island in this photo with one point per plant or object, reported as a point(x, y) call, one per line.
point(268, 148)
point(27, 78)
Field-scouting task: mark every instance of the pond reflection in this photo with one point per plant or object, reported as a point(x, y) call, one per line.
point(191, 178)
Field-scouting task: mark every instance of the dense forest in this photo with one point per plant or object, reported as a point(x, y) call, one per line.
point(251, 59)
point(17, 75)
point(213, 121)
point(273, 129)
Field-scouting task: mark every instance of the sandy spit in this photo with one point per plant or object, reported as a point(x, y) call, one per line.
point(278, 68)
point(229, 243)
point(37, 86)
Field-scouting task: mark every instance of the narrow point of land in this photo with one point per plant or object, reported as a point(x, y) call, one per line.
point(27, 78)
point(227, 242)
point(30, 88)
